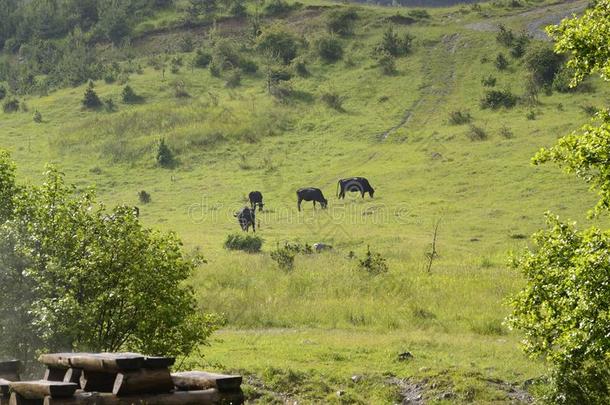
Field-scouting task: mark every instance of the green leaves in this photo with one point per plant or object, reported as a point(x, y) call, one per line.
point(78, 276)
point(586, 153)
point(585, 39)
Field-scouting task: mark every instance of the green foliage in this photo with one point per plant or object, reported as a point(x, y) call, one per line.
point(10, 105)
point(519, 46)
point(342, 21)
point(234, 80)
point(459, 117)
point(489, 81)
point(165, 157)
point(247, 243)
point(129, 96)
point(501, 63)
point(248, 66)
point(284, 256)
point(542, 63)
point(91, 100)
point(373, 263)
point(144, 197)
point(202, 59)
point(277, 42)
point(584, 153)
point(2, 92)
point(37, 117)
point(585, 39)
point(393, 44)
point(238, 8)
point(225, 54)
point(387, 63)
point(562, 82)
point(476, 133)
point(277, 7)
point(329, 48)
point(495, 99)
point(74, 276)
point(563, 308)
point(505, 36)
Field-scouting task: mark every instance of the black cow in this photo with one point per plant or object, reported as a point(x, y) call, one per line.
point(311, 194)
point(246, 217)
point(359, 184)
point(256, 198)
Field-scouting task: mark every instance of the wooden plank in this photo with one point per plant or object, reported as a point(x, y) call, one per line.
point(10, 365)
point(144, 381)
point(41, 388)
point(97, 381)
point(199, 397)
point(201, 380)
point(59, 360)
point(54, 374)
point(73, 375)
point(155, 361)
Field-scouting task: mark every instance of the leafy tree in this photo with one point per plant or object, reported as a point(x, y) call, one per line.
point(91, 100)
point(277, 41)
point(542, 63)
point(76, 276)
point(165, 156)
point(501, 62)
point(563, 309)
point(393, 44)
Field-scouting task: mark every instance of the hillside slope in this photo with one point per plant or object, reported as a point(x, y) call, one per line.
point(302, 334)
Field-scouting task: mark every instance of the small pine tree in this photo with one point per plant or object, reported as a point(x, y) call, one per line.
point(91, 100)
point(129, 96)
point(165, 157)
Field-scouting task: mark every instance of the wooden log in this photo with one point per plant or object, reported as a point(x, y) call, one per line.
point(73, 375)
point(17, 399)
point(41, 388)
point(54, 374)
point(200, 397)
point(143, 381)
point(154, 361)
point(97, 381)
point(108, 362)
point(59, 360)
point(4, 388)
point(201, 380)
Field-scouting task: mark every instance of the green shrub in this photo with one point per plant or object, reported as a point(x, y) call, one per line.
point(506, 132)
point(10, 105)
point(129, 96)
point(420, 14)
point(225, 54)
point(519, 46)
point(2, 92)
point(277, 42)
point(495, 99)
point(329, 48)
point(246, 243)
point(505, 36)
point(180, 90)
point(248, 66)
point(501, 63)
point(202, 59)
point(373, 263)
point(37, 117)
point(542, 63)
point(165, 156)
point(459, 117)
point(531, 115)
point(333, 100)
point(300, 67)
point(186, 44)
point(476, 133)
point(238, 8)
point(109, 104)
point(342, 21)
point(276, 7)
point(489, 81)
point(91, 100)
point(284, 256)
point(144, 197)
point(387, 63)
point(393, 44)
point(234, 80)
point(562, 80)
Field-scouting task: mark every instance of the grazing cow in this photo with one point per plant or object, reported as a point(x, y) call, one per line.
point(311, 194)
point(246, 217)
point(256, 198)
point(359, 184)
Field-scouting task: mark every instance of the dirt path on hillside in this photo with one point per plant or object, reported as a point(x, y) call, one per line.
point(437, 84)
point(536, 18)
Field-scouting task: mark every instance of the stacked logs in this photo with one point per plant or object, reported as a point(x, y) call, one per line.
point(122, 379)
point(9, 371)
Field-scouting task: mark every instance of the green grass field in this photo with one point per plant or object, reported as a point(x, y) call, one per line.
point(301, 335)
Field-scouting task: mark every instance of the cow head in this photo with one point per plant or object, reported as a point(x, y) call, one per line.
point(372, 192)
point(324, 203)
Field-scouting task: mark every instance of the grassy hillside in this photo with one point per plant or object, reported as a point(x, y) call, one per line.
point(302, 334)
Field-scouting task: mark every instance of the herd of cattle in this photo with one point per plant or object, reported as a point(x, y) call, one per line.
point(246, 216)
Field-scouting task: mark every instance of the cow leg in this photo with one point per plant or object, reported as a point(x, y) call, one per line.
point(299, 204)
point(314, 204)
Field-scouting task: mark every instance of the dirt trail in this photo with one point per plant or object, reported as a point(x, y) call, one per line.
point(536, 18)
point(437, 84)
